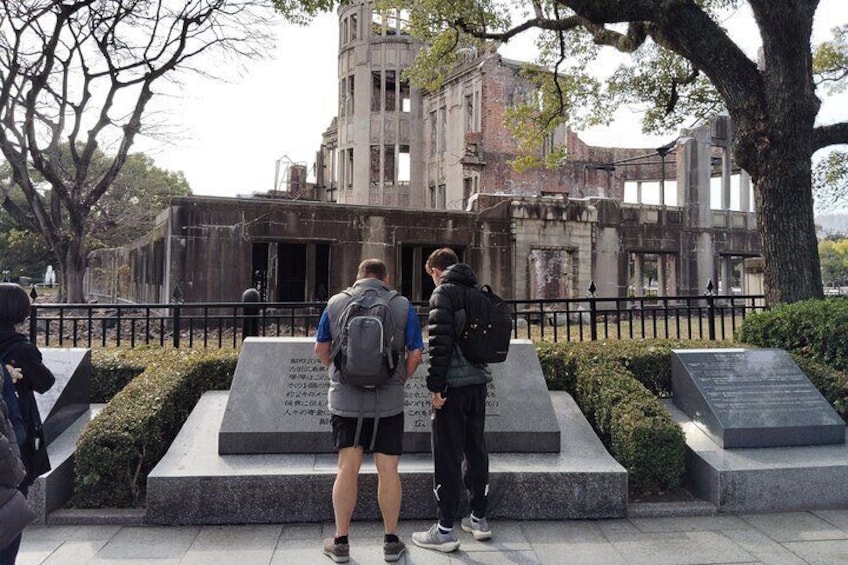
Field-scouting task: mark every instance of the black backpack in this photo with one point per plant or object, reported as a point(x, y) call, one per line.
point(488, 326)
point(364, 351)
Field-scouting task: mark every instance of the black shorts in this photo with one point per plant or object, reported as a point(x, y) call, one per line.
point(389, 433)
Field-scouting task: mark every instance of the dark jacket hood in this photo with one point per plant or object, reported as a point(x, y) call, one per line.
point(460, 274)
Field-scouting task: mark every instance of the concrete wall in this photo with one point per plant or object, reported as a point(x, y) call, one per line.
point(206, 246)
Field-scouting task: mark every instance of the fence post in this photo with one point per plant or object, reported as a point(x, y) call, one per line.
point(177, 300)
point(33, 316)
point(250, 324)
point(710, 310)
point(593, 312)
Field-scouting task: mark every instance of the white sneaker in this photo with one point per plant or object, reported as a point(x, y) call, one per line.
point(434, 539)
point(477, 528)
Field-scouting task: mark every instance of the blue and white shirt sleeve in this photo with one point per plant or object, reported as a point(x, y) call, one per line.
point(323, 334)
point(413, 330)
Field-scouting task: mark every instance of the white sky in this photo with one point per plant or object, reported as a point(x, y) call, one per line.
point(230, 135)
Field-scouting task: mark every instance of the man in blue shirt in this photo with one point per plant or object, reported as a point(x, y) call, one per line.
point(368, 418)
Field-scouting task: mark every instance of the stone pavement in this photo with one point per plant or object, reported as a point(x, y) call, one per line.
point(819, 537)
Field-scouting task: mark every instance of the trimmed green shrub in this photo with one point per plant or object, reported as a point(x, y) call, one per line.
point(118, 449)
point(112, 370)
point(616, 385)
point(630, 420)
point(832, 383)
point(816, 329)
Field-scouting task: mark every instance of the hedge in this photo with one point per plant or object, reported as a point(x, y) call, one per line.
point(118, 449)
point(112, 370)
point(815, 329)
point(616, 384)
point(832, 383)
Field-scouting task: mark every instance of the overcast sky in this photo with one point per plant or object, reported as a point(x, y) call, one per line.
point(228, 136)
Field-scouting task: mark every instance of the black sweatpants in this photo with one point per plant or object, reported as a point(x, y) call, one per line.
point(458, 435)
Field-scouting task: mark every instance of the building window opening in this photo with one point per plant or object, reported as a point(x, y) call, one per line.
point(354, 25)
point(349, 96)
point(391, 91)
point(291, 276)
point(376, 90)
point(442, 130)
point(375, 165)
point(389, 164)
point(434, 133)
point(405, 103)
point(415, 283)
point(403, 164)
point(442, 197)
point(349, 169)
point(322, 272)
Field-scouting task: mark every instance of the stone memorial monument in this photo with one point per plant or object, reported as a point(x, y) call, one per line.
point(69, 397)
point(278, 403)
point(752, 398)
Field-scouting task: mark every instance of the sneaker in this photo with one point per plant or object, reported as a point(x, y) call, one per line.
point(477, 528)
point(434, 539)
point(338, 552)
point(393, 550)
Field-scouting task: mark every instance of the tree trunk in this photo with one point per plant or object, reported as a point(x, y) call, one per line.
point(784, 200)
point(74, 275)
point(776, 148)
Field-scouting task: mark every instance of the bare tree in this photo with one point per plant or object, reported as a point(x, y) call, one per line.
point(78, 75)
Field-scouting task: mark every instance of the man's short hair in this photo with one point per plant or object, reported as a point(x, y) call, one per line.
point(14, 303)
point(441, 259)
point(372, 268)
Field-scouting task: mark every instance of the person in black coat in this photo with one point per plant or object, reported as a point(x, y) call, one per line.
point(458, 395)
point(30, 376)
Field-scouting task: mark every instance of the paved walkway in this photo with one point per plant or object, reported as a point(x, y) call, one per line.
point(819, 537)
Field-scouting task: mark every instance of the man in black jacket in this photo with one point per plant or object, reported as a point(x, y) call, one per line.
point(458, 394)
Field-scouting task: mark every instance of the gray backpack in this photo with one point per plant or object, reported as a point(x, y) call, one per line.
point(364, 351)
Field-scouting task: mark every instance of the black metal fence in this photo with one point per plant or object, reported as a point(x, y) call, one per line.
point(226, 324)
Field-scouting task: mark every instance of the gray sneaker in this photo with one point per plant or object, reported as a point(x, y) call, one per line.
point(434, 539)
point(393, 550)
point(477, 528)
point(338, 552)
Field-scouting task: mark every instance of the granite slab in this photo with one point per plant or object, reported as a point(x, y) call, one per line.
point(772, 479)
point(278, 403)
point(193, 484)
point(752, 398)
point(69, 396)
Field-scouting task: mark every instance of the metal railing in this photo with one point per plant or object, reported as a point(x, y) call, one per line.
point(226, 324)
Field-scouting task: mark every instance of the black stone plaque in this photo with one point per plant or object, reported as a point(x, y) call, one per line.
point(752, 398)
point(278, 403)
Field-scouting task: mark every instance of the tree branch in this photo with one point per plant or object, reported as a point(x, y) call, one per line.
point(833, 134)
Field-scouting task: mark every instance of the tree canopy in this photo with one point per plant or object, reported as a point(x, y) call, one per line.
point(682, 64)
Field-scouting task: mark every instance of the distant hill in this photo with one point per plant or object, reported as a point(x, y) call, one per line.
point(832, 224)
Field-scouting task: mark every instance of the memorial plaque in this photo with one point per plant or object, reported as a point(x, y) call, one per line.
point(70, 395)
point(278, 403)
point(752, 398)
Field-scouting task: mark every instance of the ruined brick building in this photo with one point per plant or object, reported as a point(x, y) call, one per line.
point(402, 171)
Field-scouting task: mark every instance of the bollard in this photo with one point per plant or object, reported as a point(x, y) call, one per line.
point(250, 321)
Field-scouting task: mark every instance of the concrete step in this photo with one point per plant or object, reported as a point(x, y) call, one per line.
point(192, 484)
